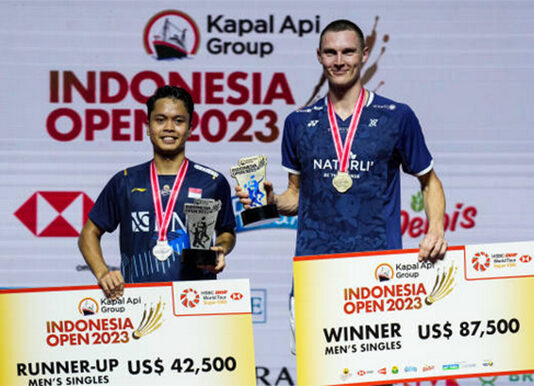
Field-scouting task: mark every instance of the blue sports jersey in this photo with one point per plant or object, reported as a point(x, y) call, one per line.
point(367, 216)
point(127, 200)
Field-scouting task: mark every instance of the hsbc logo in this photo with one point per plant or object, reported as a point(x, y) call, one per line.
point(525, 259)
point(236, 296)
point(55, 214)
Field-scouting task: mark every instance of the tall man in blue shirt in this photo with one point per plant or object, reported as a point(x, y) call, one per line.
point(152, 219)
point(343, 156)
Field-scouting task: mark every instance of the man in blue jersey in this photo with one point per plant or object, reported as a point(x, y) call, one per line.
point(148, 200)
point(343, 156)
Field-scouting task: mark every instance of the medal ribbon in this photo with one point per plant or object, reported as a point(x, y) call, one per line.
point(343, 150)
point(163, 219)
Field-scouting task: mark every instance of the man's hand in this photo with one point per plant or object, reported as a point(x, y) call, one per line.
point(242, 194)
point(432, 247)
point(219, 264)
point(112, 284)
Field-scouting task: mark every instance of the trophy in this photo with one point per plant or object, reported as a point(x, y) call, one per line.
point(250, 174)
point(201, 218)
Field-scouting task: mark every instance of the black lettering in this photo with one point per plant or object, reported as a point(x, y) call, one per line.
point(212, 23)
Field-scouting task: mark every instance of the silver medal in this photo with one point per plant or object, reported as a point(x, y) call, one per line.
point(162, 250)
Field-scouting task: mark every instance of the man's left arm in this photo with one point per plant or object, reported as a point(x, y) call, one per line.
point(433, 246)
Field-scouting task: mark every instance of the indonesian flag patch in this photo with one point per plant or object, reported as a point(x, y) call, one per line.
point(194, 193)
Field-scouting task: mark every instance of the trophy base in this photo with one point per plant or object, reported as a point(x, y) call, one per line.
point(199, 257)
point(264, 214)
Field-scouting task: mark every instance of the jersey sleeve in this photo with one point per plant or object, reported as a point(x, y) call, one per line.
point(290, 160)
point(416, 158)
point(106, 211)
point(226, 217)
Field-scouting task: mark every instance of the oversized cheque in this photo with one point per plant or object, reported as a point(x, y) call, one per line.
point(383, 317)
point(187, 333)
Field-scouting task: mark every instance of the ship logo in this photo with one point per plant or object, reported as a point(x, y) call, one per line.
point(171, 35)
point(88, 306)
point(384, 272)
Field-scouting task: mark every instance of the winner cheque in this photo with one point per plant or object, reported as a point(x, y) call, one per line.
point(180, 333)
point(380, 317)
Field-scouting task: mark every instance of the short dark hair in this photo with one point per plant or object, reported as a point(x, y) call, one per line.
point(343, 25)
point(172, 92)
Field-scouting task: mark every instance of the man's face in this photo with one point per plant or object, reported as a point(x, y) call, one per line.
point(168, 126)
point(342, 58)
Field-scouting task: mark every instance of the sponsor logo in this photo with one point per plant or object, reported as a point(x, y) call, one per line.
point(446, 276)
point(329, 167)
point(414, 223)
point(453, 366)
point(165, 190)
point(215, 297)
point(171, 34)
point(361, 373)
point(487, 363)
point(345, 374)
point(55, 214)
point(177, 236)
point(387, 107)
point(428, 368)
point(258, 305)
point(468, 365)
point(151, 323)
point(236, 296)
point(394, 370)
point(88, 306)
point(140, 190)
point(141, 221)
point(384, 272)
point(189, 298)
point(410, 369)
point(383, 371)
point(480, 261)
point(118, 305)
point(525, 259)
point(373, 122)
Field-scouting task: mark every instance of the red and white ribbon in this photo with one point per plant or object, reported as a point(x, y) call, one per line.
point(163, 219)
point(343, 150)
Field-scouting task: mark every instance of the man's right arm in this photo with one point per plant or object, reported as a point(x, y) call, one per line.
point(112, 282)
point(287, 203)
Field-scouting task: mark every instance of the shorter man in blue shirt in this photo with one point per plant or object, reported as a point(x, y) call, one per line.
point(152, 219)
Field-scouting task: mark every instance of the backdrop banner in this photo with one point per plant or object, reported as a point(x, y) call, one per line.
point(75, 75)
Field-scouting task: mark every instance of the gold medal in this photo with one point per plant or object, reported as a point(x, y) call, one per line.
point(342, 182)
